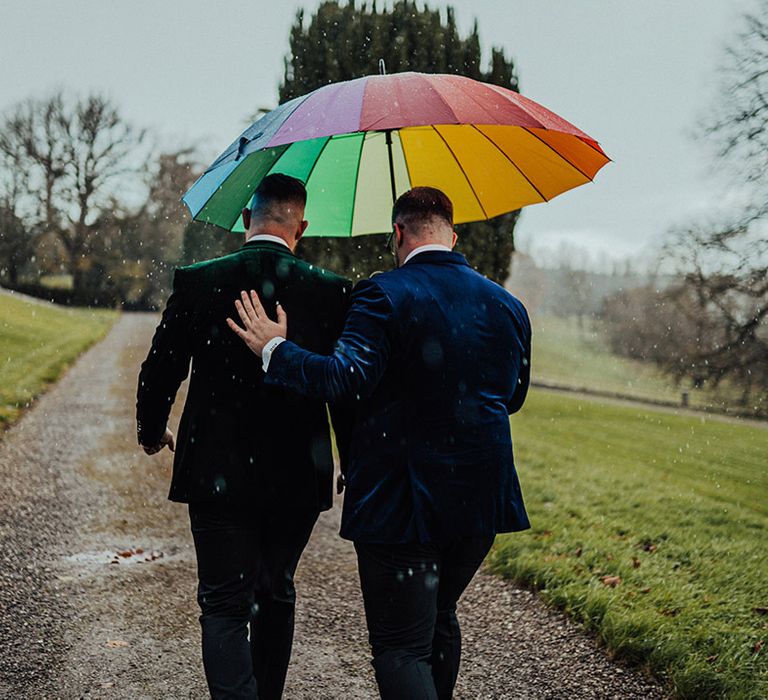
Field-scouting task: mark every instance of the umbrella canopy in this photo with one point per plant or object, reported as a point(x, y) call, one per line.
point(359, 144)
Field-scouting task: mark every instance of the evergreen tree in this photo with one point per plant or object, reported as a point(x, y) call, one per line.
point(346, 41)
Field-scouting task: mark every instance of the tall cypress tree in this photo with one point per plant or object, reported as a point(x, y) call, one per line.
point(346, 41)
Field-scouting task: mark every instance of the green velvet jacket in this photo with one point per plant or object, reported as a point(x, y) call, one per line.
point(238, 439)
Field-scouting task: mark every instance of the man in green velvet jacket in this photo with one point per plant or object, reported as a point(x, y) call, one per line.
point(253, 462)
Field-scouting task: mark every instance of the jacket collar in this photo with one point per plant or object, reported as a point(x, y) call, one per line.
point(423, 249)
point(267, 245)
point(437, 257)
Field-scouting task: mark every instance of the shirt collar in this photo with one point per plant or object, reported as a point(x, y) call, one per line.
point(425, 248)
point(267, 238)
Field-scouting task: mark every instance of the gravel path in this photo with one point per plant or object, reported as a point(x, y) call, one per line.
point(77, 620)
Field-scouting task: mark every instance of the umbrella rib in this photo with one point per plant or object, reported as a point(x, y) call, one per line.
point(357, 178)
point(277, 160)
point(234, 221)
point(559, 155)
point(208, 198)
point(595, 146)
point(319, 154)
point(442, 99)
point(522, 107)
point(460, 85)
point(299, 100)
point(512, 162)
point(405, 157)
point(463, 172)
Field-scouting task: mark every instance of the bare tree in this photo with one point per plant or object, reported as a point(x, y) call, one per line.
point(710, 325)
point(16, 245)
point(141, 247)
point(78, 158)
point(15, 238)
point(725, 291)
point(739, 125)
point(725, 265)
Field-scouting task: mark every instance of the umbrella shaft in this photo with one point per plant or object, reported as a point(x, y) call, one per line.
point(391, 166)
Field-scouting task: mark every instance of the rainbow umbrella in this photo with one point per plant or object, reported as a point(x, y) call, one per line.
point(359, 144)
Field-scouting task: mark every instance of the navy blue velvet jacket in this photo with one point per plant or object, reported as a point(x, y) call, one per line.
point(437, 357)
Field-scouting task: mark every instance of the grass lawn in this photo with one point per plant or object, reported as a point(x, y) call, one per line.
point(650, 528)
point(574, 356)
point(38, 341)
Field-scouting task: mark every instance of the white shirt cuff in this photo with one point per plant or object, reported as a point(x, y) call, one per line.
point(269, 348)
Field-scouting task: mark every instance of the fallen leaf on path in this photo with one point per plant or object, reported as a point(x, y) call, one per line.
point(125, 553)
point(116, 644)
point(611, 581)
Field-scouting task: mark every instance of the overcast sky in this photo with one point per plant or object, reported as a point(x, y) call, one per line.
point(637, 76)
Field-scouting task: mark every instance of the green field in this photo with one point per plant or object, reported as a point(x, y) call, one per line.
point(677, 507)
point(566, 354)
point(38, 341)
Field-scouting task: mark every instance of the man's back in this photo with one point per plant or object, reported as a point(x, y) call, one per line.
point(460, 351)
point(457, 369)
point(254, 462)
point(236, 434)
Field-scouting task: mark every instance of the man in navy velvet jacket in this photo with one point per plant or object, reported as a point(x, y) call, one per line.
point(437, 357)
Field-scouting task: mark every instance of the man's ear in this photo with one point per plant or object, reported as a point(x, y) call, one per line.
point(300, 231)
point(247, 218)
point(455, 238)
point(398, 235)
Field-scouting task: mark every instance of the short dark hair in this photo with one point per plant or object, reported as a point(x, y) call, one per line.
point(278, 188)
point(422, 203)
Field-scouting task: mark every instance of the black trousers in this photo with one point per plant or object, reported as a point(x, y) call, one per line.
point(410, 593)
point(246, 559)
